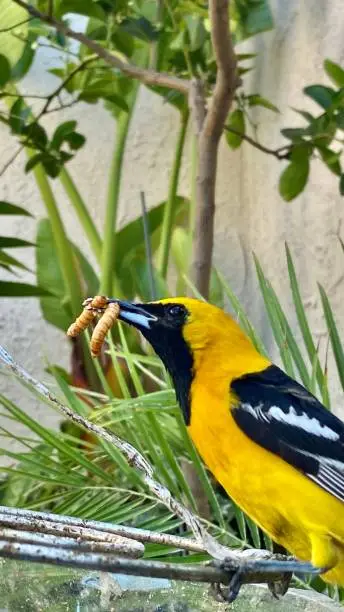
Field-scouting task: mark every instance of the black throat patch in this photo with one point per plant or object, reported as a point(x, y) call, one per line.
point(176, 355)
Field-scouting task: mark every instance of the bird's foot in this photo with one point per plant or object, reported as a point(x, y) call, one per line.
point(279, 588)
point(255, 567)
point(228, 593)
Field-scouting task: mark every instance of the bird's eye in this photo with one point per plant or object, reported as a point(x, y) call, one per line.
point(176, 311)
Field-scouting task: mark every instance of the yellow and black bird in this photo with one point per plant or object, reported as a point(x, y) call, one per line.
point(274, 448)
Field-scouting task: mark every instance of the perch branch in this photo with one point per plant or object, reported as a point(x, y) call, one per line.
point(266, 572)
point(150, 77)
point(208, 141)
point(280, 153)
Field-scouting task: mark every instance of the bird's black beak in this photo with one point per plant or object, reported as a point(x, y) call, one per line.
point(137, 315)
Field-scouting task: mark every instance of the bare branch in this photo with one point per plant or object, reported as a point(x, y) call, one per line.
point(149, 77)
point(61, 87)
point(280, 153)
point(11, 159)
point(209, 137)
point(70, 525)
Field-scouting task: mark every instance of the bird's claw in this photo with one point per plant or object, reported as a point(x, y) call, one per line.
point(229, 593)
point(279, 588)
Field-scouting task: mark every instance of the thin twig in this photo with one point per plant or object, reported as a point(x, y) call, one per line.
point(208, 141)
point(61, 87)
point(150, 77)
point(49, 521)
point(11, 159)
point(280, 153)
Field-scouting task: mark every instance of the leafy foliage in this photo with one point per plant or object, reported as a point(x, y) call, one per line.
point(11, 264)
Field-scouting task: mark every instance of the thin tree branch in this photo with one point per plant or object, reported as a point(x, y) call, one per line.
point(63, 84)
point(16, 25)
point(70, 525)
point(208, 142)
point(150, 77)
point(194, 572)
point(11, 159)
point(280, 153)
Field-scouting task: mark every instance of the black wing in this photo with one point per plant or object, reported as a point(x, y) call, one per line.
point(281, 416)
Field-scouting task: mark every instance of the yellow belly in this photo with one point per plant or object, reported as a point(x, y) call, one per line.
point(294, 511)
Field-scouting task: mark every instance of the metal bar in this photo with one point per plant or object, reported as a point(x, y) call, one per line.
point(140, 535)
point(259, 571)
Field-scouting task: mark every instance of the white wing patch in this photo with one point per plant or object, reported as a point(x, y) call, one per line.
point(303, 421)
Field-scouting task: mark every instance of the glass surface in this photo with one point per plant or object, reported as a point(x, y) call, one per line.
point(31, 587)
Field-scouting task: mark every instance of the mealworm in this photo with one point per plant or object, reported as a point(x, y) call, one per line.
point(109, 317)
point(81, 323)
point(97, 302)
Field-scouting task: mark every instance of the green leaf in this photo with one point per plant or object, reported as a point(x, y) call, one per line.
point(216, 293)
point(75, 140)
point(12, 209)
point(257, 100)
point(81, 7)
point(140, 28)
point(18, 114)
point(294, 134)
point(331, 159)
point(103, 90)
point(33, 161)
point(90, 278)
point(339, 118)
point(6, 242)
point(13, 41)
point(295, 176)
point(51, 165)
point(23, 65)
point(320, 94)
point(237, 123)
point(196, 31)
point(302, 320)
point(305, 114)
point(341, 185)
point(37, 134)
point(335, 72)
point(142, 285)
point(5, 70)
point(10, 289)
point(130, 239)
point(9, 261)
point(49, 275)
point(249, 18)
point(63, 130)
point(334, 334)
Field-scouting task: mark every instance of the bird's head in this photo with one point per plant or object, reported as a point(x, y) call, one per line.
point(183, 331)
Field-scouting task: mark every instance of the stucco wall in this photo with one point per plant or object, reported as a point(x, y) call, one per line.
point(250, 213)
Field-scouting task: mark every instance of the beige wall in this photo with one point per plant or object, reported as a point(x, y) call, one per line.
point(250, 213)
